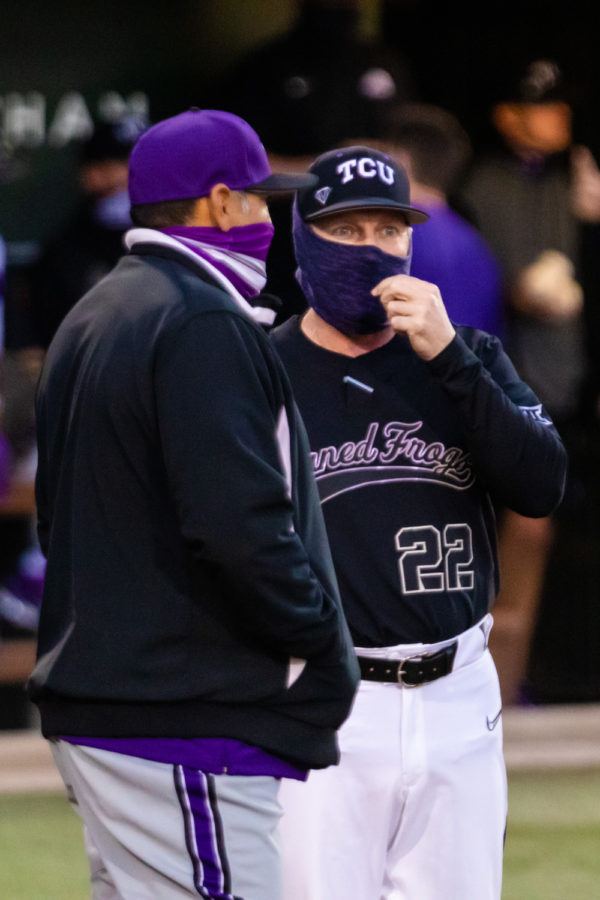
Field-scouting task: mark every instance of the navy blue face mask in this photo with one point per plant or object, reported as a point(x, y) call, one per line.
point(337, 279)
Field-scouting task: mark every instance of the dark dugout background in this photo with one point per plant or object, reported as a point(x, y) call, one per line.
point(64, 62)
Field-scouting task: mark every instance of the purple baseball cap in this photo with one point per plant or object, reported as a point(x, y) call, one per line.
point(186, 155)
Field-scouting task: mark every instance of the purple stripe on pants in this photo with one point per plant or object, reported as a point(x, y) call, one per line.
point(203, 833)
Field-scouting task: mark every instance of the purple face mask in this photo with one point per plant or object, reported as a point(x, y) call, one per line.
point(337, 279)
point(251, 240)
point(239, 254)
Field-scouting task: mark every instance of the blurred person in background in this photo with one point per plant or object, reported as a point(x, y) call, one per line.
point(321, 82)
point(92, 239)
point(520, 193)
point(22, 565)
point(448, 251)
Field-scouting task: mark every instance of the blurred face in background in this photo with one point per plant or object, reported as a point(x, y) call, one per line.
point(103, 177)
point(534, 127)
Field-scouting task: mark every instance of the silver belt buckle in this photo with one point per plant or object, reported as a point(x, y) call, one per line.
point(401, 672)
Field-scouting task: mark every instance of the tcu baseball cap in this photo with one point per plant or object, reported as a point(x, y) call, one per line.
point(357, 178)
point(186, 155)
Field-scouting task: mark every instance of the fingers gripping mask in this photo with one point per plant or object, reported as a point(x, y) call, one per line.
point(337, 279)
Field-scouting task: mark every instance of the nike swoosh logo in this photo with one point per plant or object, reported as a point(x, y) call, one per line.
point(491, 723)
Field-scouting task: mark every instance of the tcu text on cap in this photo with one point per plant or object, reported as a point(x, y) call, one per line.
point(365, 168)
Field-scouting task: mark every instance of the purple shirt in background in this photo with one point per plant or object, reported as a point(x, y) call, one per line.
point(215, 756)
point(5, 464)
point(451, 253)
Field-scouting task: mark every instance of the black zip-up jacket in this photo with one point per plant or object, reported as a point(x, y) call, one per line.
point(187, 557)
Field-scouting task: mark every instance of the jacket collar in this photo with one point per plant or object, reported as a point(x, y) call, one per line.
point(153, 238)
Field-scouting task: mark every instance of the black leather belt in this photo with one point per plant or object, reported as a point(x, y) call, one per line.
point(410, 672)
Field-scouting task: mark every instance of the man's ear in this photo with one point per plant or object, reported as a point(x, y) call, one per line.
point(220, 202)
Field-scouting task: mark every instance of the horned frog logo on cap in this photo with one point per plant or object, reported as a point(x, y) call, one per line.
point(322, 195)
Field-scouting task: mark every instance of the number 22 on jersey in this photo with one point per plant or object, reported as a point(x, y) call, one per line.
point(432, 561)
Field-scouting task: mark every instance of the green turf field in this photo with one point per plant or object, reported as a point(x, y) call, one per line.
point(552, 845)
point(553, 837)
point(41, 848)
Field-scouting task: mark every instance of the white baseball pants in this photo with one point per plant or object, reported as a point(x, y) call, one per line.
point(416, 809)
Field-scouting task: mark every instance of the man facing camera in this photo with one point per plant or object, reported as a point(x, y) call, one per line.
point(415, 424)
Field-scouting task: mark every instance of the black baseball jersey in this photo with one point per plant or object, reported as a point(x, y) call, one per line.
point(409, 456)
